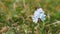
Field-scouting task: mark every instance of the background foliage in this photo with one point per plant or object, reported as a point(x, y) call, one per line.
point(15, 16)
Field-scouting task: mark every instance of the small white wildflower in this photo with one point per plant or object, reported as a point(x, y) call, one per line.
point(39, 13)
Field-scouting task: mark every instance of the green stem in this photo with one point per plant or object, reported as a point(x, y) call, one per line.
point(43, 24)
point(32, 28)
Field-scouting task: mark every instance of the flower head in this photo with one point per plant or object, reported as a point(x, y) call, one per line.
point(39, 13)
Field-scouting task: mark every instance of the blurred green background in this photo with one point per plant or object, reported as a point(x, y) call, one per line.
point(15, 16)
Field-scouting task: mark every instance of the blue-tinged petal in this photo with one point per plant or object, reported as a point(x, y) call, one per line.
point(39, 13)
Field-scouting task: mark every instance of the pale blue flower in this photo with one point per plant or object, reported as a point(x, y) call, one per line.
point(39, 13)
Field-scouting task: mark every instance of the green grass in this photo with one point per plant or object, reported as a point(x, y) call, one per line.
point(15, 15)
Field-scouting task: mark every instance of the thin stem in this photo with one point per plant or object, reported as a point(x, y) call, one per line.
point(43, 24)
point(32, 28)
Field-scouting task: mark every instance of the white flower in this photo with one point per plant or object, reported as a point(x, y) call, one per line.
point(39, 13)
